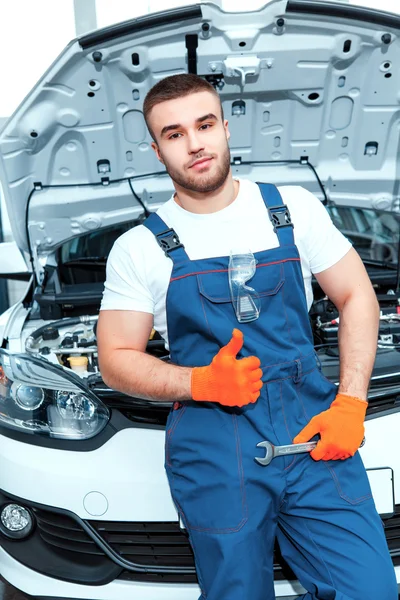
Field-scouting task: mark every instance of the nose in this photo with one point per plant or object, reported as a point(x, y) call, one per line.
point(194, 143)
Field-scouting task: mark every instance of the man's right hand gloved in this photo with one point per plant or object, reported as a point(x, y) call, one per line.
point(228, 380)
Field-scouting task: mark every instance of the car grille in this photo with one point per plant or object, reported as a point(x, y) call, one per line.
point(383, 396)
point(379, 403)
point(153, 414)
point(65, 534)
point(155, 545)
point(149, 544)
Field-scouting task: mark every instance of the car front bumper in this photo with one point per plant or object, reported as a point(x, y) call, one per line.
point(40, 586)
point(119, 493)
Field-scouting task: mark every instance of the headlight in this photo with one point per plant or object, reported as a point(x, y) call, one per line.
point(42, 398)
point(26, 396)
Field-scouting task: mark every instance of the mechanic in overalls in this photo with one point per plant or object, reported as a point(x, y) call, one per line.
point(234, 383)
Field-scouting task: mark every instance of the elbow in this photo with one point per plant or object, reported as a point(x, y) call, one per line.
point(376, 309)
point(105, 369)
point(364, 301)
point(107, 379)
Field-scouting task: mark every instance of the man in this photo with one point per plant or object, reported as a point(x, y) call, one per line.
point(236, 384)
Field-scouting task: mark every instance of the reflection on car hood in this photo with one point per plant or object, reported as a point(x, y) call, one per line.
point(306, 81)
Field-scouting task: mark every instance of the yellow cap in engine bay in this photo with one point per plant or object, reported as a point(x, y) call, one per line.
point(78, 363)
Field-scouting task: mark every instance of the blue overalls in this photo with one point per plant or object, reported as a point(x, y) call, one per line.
point(322, 512)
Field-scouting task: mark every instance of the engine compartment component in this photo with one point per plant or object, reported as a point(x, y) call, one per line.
point(78, 364)
point(325, 322)
point(72, 343)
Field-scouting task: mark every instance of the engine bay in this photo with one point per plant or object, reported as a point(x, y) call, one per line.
point(71, 341)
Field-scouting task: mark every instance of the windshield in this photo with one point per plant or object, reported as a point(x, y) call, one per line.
point(83, 259)
point(373, 233)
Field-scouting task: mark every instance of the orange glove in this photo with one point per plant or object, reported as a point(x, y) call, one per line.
point(228, 380)
point(341, 428)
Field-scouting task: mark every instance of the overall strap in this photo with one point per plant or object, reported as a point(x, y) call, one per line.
point(166, 238)
point(278, 213)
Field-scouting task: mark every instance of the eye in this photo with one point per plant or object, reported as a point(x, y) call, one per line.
point(206, 125)
point(173, 136)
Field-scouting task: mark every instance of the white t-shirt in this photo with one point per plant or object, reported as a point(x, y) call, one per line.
point(138, 272)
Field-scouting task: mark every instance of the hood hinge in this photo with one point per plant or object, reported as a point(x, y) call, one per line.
point(39, 269)
point(192, 41)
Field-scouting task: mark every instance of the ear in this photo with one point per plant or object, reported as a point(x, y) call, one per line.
point(157, 151)
point(228, 133)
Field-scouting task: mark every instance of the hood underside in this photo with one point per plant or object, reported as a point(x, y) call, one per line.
point(310, 90)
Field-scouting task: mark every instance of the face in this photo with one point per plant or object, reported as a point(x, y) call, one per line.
point(192, 141)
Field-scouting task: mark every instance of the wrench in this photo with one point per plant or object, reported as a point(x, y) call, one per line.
point(272, 451)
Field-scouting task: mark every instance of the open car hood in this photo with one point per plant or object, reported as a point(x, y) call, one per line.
point(310, 89)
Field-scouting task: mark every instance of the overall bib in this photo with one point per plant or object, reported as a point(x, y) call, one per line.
point(321, 512)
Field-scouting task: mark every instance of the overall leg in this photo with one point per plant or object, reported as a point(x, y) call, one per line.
point(237, 565)
point(331, 535)
point(226, 503)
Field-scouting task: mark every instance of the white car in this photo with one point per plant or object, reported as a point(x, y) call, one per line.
point(311, 92)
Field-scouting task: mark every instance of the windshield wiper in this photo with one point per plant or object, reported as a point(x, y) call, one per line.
point(83, 261)
point(378, 263)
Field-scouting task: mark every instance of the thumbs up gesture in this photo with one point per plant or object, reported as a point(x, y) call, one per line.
point(228, 380)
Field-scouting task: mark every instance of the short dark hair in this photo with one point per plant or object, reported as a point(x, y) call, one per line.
point(173, 87)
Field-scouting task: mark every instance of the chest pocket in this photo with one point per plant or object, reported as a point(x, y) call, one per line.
point(215, 292)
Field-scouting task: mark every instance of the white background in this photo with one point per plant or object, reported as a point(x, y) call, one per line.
point(34, 32)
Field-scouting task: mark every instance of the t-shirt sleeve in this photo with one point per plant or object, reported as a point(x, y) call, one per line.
point(125, 286)
point(325, 244)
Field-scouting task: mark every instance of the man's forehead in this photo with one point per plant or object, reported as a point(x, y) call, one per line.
point(184, 110)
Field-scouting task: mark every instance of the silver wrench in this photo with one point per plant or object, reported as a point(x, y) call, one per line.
point(272, 451)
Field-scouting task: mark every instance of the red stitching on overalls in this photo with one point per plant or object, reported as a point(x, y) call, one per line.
point(221, 299)
point(276, 262)
point(301, 402)
point(213, 530)
point(333, 474)
point(283, 411)
point(287, 320)
point(341, 493)
point(269, 408)
point(287, 362)
point(170, 433)
point(240, 465)
point(293, 461)
point(287, 427)
point(289, 377)
point(241, 477)
point(205, 314)
point(198, 570)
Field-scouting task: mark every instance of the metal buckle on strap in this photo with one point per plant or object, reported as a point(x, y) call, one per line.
point(168, 240)
point(299, 369)
point(280, 216)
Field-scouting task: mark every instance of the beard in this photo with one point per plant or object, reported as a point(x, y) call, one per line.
point(198, 182)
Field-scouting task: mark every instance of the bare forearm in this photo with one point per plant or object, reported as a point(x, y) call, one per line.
point(139, 374)
point(358, 334)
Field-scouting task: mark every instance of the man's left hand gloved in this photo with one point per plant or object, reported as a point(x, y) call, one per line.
point(341, 428)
